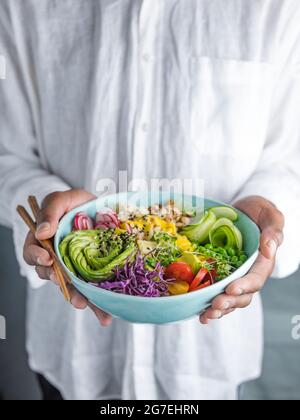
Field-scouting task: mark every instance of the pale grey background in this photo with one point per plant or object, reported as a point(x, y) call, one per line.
point(281, 373)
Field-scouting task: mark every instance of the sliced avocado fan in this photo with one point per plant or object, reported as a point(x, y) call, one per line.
point(94, 254)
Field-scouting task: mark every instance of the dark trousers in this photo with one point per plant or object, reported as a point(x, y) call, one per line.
point(49, 392)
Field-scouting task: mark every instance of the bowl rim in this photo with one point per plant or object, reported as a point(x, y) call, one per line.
point(94, 288)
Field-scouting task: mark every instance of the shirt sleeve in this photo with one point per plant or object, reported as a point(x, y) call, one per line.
point(277, 176)
point(21, 170)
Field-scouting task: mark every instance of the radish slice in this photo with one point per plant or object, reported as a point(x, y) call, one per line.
point(83, 222)
point(107, 219)
point(128, 228)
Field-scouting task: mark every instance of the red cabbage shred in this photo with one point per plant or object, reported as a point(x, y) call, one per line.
point(134, 279)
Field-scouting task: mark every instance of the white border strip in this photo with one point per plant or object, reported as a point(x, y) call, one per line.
point(2, 67)
point(2, 328)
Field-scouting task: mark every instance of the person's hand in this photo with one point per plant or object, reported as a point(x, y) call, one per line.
point(54, 206)
point(240, 293)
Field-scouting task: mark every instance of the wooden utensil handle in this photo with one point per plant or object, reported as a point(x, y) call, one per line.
point(47, 245)
point(34, 205)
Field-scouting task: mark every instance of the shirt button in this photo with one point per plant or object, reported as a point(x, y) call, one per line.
point(145, 127)
point(148, 58)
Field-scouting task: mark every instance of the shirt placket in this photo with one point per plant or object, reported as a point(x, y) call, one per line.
point(143, 336)
point(147, 48)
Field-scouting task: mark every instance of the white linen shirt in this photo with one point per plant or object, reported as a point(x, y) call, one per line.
point(162, 88)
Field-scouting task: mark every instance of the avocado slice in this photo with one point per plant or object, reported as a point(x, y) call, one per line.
point(145, 247)
point(192, 260)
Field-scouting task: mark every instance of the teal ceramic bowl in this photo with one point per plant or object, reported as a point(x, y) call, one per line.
point(164, 309)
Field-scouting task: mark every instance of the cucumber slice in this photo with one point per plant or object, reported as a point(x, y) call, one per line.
point(224, 211)
point(238, 237)
point(226, 235)
point(199, 232)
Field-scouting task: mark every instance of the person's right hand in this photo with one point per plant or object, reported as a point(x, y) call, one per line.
point(53, 208)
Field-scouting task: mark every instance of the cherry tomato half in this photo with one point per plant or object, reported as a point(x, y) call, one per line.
point(179, 271)
point(202, 286)
point(202, 277)
point(178, 288)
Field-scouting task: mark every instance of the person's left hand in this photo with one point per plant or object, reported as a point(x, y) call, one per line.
point(240, 293)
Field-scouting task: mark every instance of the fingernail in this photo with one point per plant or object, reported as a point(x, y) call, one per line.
point(239, 292)
point(39, 261)
point(203, 320)
point(53, 278)
point(216, 315)
point(105, 322)
point(43, 228)
point(226, 305)
point(73, 300)
point(272, 246)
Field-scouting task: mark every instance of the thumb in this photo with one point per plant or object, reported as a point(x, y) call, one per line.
point(269, 246)
point(53, 208)
point(272, 223)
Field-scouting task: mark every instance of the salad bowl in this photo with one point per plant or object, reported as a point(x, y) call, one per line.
point(159, 310)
